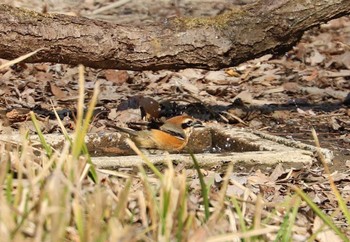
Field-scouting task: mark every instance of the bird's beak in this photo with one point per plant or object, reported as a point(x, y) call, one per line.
point(197, 123)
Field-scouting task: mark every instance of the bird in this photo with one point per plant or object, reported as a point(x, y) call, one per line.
point(171, 135)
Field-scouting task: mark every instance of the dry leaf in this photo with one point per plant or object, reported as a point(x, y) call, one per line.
point(326, 234)
point(185, 84)
point(343, 59)
point(191, 74)
point(316, 58)
point(117, 77)
point(44, 77)
point(219, 77)
point(56, 91)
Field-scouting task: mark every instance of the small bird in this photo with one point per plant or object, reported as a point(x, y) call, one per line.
point(171, 135)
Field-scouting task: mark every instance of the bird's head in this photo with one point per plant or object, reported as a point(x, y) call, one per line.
point(182, 124)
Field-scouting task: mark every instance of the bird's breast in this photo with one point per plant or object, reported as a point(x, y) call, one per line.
point(158, 139)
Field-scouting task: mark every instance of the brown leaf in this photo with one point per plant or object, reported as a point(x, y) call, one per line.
point(56, 91)
point(281, 115)
point(30, 99)
point(191, 74)
point(277, 172)
point(17, 115)
point(335, 124)
point(300, 51)
point(259, 179)
point(247, 97)
point(291, 87)
point(44, 77)
point(306, 113)
point(185, 84)
point(117, 77)
point(311, 77)
point(343, 59)
point(127, 116)
point(219, 77)
point(42, 67)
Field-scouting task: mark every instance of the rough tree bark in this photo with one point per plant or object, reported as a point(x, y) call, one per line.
point(210, 43)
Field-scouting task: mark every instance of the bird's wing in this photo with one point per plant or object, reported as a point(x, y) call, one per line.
point(126, 130)
point(173, 130)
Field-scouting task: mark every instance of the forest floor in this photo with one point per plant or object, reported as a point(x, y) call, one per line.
point(284, 95)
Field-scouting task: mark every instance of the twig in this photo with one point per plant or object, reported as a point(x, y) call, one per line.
point(111, 6)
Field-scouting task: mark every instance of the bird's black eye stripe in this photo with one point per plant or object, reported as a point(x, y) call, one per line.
point(187, 124)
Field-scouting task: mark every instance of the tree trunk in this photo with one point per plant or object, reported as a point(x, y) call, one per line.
point(268, 26)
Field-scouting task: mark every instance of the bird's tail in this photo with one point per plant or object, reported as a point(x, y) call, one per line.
point(123, 130)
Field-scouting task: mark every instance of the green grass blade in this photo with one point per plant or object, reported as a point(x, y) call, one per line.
point(123, 200)
point(92, 171)
point(79, 219)
point(326, 219)
point(204, 188)
point(144, 158)
point(181, 215)
point(23, 218)
point(285, 233)
point(63, 129)
point(165, 205)
point(43, 142)
point(340, 200)
point(153, 205)
point(82, 124)
point(239, 214)
point(9, 187)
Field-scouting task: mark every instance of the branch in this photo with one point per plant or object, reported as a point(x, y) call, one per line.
point(269, 26)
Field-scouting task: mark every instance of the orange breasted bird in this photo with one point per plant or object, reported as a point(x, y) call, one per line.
point(171, 135)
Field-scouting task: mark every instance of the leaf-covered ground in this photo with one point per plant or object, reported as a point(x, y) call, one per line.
point(284, 95)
